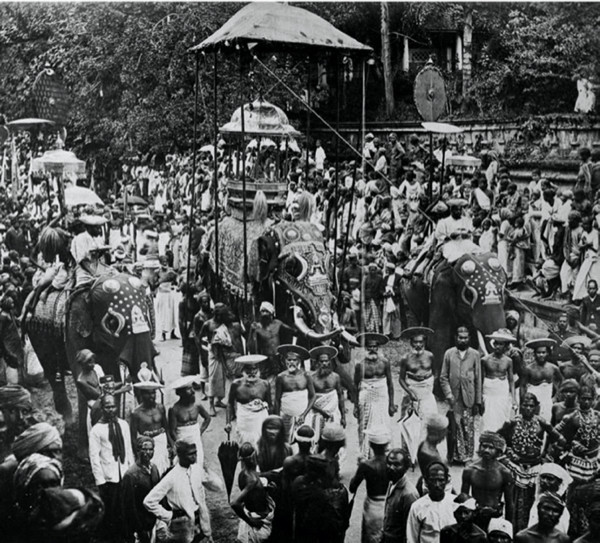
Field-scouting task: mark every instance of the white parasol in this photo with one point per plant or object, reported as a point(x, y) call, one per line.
point(75, 196)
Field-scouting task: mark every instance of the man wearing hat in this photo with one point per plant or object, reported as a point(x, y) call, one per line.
point(465, 530)
point(329, 399)
point(373, 381)
point(149, 419)
point(294, 388)
point(489, 481)
point(265, 338)
point(499, 398)
point(295, 465)
point(550, 508)
point(577, 365)
point(416, 373)
point(15, 408)
point(184, 416)
point(87, 250)
point(540, 378)
point(249, 401)
point(373, 471)
point(500, 531)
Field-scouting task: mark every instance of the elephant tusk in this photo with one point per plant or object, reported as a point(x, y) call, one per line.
point(120, 319)
point(482, 343)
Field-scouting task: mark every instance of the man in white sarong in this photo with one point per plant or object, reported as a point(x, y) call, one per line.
point(540, 377)
point(373, 381)
point(329, 399)
point(499, 399)
point(184, 416)
point(294, 389)
point(86, 249)
point(416, 374)
point(249, 400)
point(149, 419)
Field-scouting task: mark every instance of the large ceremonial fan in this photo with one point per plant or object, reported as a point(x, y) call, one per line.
point(51, 97)
point(430, 93)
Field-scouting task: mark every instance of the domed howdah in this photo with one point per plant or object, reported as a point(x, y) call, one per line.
point(260, 118)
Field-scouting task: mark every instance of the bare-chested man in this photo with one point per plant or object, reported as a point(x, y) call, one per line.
point(569, 390)
point(373, 381)
point(329, 399)
point(249, 400)
point(265, 338)
point(577, 366)
point(253, 506)
point(489, 481)
point(150, 419)
point(541, 378)
point(374, 472)
point(416, 374)
point(184, 415)
point(498, 382)
point(294, 389)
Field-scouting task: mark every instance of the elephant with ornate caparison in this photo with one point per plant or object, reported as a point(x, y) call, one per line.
point(113, 318)
point(289, 266)
point(468, 292)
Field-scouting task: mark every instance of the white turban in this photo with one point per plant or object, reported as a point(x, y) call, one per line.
point(267, 306)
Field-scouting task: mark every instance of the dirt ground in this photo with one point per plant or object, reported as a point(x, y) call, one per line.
point(224, 521)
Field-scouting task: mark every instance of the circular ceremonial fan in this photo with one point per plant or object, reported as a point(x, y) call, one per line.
point(430, 93)
point(51, 97)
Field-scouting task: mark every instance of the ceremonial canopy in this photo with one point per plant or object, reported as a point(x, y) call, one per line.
point(279, 26)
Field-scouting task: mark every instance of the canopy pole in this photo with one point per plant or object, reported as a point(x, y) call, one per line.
point(347, 235)
point(216, 167)
point(243, 123)
point(430, 188)
point(193, 203)
point(443, 163)
point(308, 98)
point(337, 171)
point(363, 117)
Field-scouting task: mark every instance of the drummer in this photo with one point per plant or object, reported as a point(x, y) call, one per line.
point(416, 373)
point(249, 400)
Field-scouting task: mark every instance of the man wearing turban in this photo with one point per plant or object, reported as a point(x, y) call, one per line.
point(550, 508)
point(265, 338)
point(15, 404)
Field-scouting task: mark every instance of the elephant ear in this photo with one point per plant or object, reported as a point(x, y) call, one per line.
point(80, 314)
point(268, 251)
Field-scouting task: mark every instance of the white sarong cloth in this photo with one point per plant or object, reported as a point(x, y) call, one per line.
point(328, 402)
point(161, 453)
point(497, 404)
point(247, 534)
point(192, 433)
point(250, 417)
point(372, 519)
point(293, 404)
point(373, 410)
point(543, 392)
point(426, 404)
point(166, 310)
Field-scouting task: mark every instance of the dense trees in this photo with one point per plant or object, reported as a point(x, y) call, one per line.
point(132, 78)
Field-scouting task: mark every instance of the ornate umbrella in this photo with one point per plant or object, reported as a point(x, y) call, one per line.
point(59, 162)
point(75, 196)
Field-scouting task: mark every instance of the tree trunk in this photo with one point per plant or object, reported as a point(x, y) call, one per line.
point(467, 46)
point(386, 59)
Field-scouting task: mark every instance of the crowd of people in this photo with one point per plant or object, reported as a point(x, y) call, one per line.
point(520, 421)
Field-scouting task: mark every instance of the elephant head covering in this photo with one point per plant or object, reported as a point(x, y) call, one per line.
point(15, 396)
point(35, 439)
point(30, 466)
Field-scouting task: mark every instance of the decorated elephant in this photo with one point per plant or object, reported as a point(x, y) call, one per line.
point(288, 265)
point(113, 318)
point(468, 292)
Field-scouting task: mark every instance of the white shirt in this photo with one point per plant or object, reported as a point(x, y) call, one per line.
point(427, 518)
point(104, 466)
point(82, 244)
point(320, 158)
point(183, 490)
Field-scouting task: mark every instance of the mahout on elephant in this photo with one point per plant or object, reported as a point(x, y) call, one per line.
point(112, 316)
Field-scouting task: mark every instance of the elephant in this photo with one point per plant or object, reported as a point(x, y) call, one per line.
point(113, 318)
point(289, 266)
point(468, 292)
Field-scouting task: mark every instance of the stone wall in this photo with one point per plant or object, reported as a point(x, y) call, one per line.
point(550, 143)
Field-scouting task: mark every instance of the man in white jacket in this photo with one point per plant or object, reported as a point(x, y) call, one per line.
point(189, 519)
